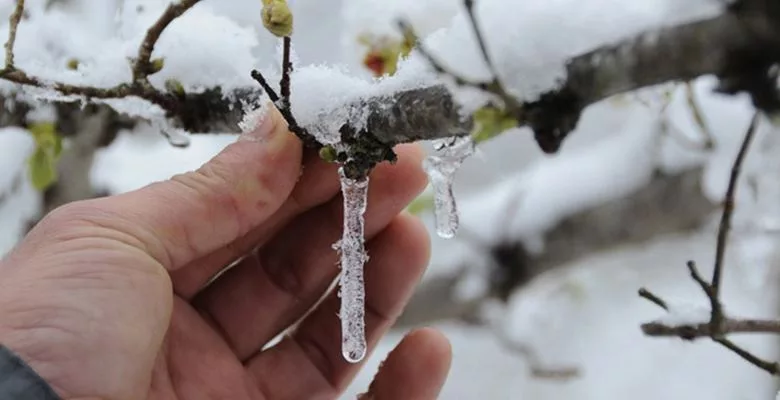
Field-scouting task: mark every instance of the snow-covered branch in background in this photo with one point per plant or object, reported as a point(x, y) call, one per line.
point(695, 322)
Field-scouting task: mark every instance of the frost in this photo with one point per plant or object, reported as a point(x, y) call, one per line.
point(252, 119)
point(441, 171)
point(353, 258)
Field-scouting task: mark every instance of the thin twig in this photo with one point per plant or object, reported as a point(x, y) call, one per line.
point(287, 69)
point(728, 210)
point(285, 109)
point(13, 24)
point(258, 76)
point(140, 86)
point(644, 293)
point(119, 91)
point(719, 324)
point(698, 116)
point(493, 87)
point(699, 279)
point(142, 66)
point(469, 4)
point(771, 367)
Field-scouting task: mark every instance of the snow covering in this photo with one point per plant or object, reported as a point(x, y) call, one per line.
point(588, 315)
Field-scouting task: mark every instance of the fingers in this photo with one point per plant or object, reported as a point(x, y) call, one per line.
point(193, 214)
point(415, 370)
point(312, 354)
point(318, 184)
point(267, 292)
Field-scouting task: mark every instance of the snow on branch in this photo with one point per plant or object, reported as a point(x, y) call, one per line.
point(727, 46)
point(691, 325)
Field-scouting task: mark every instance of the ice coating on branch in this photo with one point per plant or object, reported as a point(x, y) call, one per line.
point(353, 258)
point(441, 171)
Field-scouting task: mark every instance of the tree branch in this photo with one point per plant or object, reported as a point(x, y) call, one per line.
point(719, 324)
point(13, 25)
point(728, 326)
point(142, 67)
point(723, 45)
point(140, 87)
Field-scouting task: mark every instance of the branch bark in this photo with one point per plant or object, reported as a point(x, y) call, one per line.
point(728, 326)
point(725, 46)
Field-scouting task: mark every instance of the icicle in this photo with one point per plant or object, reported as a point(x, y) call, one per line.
point(353, 257)
point(441, 171)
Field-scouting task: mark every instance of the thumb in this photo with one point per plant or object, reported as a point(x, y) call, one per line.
point(193, 214)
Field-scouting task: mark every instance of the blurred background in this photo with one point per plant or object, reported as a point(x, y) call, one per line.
point(538, 292)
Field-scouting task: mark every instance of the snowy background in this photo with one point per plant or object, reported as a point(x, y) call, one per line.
point(585, 314)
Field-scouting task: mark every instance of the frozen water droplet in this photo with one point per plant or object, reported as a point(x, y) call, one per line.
point(353, 258)
point(355, 355)
point(441, 169)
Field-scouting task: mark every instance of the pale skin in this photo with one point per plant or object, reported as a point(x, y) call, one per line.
point(113, 298)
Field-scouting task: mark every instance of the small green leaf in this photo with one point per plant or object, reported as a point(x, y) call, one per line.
point(490, 122)
point(43, 169)
point(48, 148)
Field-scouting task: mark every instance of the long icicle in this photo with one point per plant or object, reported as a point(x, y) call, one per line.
point(353, 258)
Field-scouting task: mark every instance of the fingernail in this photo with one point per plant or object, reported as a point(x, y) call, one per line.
point(259, 124)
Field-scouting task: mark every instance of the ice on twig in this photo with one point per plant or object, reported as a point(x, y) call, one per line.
point(441, 169)
point(353, 258)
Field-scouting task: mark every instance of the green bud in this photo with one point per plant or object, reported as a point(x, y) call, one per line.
point(73, 64)
point(156, 65)
point(175, 87)
point(277, 17)
point(328, 153)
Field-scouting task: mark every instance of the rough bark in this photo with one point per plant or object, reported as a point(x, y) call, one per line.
point(729, 46)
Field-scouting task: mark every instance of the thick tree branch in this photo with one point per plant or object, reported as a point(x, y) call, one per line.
point(723, 45)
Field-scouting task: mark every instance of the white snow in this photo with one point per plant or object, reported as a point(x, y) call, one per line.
point(588, 315)
point(353, 258)
point(684, 313)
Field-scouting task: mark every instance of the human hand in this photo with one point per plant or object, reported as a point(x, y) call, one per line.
point(108, 298)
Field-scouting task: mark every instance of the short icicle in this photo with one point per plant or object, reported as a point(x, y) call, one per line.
point(353, 258)
point(441, 169)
